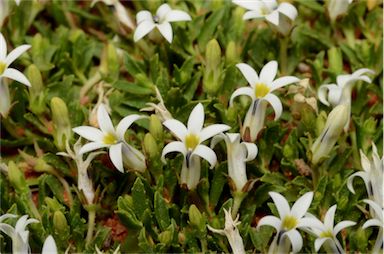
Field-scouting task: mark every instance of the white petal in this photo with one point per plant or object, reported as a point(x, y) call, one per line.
point(242, 91)
point(283, 81)
point(104, 120)
point(212, 130)
point(196, 119)
point(162, 11)
point(302, 204)
point(319, 242)
point(206, 153)
point(143, 16)
point(176, 15)
point(123, 15)
point(217, 231)
point(275, 103)
point(3, 47)
point(49, 246)
point(6, 216)
point(329, 218)
point(143, 29)
point(16, 75)
point(341, 225)
point(7, 229)
point(249, 5)
point(249, 73)
point(175, 146)
point(372, 223)
point(311, 222)
point(323, 90)
point(273, 18)
point(216, 139)
point(252, 150)
point(376, 207)
point(91, 147)
point(281, 204)
point(125, 123)
point(252, 15)
point(116, 155)
point(268, 73)
point(90, 133)
point(362, 71)
point(296, 240)
point(166, 30)
point(288, 10)
point(16, 53)
point(270, 221)
point(361, 174)
point(177, 128)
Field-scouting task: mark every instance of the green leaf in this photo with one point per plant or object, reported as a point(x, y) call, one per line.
point(140, 198)
point(209, 27)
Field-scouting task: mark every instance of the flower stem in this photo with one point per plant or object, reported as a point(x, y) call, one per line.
point(91, 224)
point(355, 151)
point(89, 84)
point(283, 59)
point(204, 245)
point(238, 198)
point(315, 175)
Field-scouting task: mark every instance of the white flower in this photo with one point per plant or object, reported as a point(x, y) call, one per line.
point(49, 246)
point(84, 183)
point(289, 221)
point(120, 11)
point(164, 15)
point(341, 93)
point(6, 60)
point(190, 144)
point(327, 232)
point(231, 232)
point(372, 176)
point(260, 90)
point(333, 128)
point(107, 136)
point(237, 153)
point(18, 233)
point(280, 16)
point(376, 221)
point(337, 8)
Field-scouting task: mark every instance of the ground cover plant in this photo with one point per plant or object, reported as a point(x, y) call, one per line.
point(191, 126)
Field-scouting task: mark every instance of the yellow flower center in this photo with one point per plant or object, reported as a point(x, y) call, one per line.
point(261, 90)
point(109, 139)
point(2, 67)
point(327, 233)
point(191, 141)
point(289, 222)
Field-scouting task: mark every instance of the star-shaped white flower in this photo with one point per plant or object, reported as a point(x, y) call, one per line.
point(279, 15)
point(18, 234)
point(340, 93)
point(238, 154)
point(290, 220)
point(49, 246)
point(260, 90)
point(190, 144)
point(107, 136)
point(327, 232)
point(164, 15)
point(6, 60)
point(231, 232)
point(376, 221)
point(372, 176)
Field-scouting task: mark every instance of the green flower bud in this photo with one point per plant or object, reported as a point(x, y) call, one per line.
point(61, 123)
point(42, 166)
point(166, 237)
point(36, 91)
point(150, 146)
point(335, 60)
point(16, 178)
point(155, 127)
point(110, 61)
point(333, 128)
point(196, 219)
point(212, 73)
point(231, 56)
point(60, 225)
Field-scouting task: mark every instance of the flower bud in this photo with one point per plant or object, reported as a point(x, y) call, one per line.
point(335, 60)
point(333, 127)
point(150, 146)
point(52, 203)
point(372, 4)
point(110, 61)
point(60, 225)
point(196, 219)
point(337, 8)
point(155, 127)
point(166, 237)
point(212, 73)
point(231, 56)
point(62, 125)
point(16, 178)
point(36, 91)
